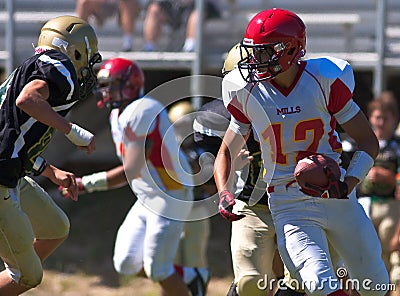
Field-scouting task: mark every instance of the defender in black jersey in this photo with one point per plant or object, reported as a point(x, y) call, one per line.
point(34, 101)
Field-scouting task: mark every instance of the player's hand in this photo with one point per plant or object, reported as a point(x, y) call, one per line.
point(242, 159)
point(226, 203)
point(89, 149)
point(63, 179)
point(335, 188)
point(67, 193)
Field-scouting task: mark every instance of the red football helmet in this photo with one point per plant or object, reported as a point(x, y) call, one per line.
point(274, 40)
point(119, 76)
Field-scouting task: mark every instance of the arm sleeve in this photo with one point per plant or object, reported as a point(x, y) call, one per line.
point(347, 112)
point(341, 88)
point(239, 127)
point(58, 77)
point(234, 93)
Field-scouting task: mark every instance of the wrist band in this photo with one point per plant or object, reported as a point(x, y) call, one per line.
point(95, 182)
point(39, 166)
point(359, 166)
point(79, 136)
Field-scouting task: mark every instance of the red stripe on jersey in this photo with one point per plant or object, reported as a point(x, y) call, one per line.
point(161, 159)
point(339, 96)
point(158, 155)
point(179, 270)
point(333, 140)
point(235, 108)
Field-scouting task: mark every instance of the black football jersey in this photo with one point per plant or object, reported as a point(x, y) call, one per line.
point(23, 138)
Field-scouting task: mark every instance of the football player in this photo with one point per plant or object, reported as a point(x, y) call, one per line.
point(253, 246)
point(35, 99)
point(151, 163)
point(293, 106)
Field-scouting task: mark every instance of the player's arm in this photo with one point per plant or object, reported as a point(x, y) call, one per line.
point(135, 158)
point(360, 130)
point(33, 101)
point(99, 181)
point(105, 180)
point(232, 144)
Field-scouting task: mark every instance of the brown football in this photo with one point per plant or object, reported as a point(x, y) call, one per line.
point(311, 170)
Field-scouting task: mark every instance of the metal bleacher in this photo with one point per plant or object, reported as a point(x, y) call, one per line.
point(342, 28)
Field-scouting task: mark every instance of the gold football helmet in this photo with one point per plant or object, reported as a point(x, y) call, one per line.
point(181, 114)
point(232, 58)
point(77, 39)
point(179, 110)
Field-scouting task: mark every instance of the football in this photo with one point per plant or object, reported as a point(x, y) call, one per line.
point(311, 170)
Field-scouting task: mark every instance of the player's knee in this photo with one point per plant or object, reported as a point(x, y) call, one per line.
point(64, 228)
point(29, 277)
point(252, 285)
point(126, 265)
point(28, 272)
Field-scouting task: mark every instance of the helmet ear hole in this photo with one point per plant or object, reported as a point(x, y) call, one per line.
point(77, 55)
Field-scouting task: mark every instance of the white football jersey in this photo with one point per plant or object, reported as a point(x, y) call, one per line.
point(295, 122)
point(166, 166)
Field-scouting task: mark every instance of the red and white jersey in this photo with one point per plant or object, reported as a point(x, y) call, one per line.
point(166, 166)
point(295, 122)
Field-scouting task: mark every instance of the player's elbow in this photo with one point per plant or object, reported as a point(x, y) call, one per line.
point(371, 146)
point(374, 147)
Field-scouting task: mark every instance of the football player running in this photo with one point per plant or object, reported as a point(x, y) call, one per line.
point(148, 239)
point(35, 99)
point(253, 244)
point(293, 107)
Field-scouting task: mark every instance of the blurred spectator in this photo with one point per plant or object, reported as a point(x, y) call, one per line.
point(380, 185)
point(175, 13)
point(395, 258)
point(100, 10)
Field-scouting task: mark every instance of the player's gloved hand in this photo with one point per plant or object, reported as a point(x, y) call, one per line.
point(334, 189)
point(81, 189)
point(226, 203)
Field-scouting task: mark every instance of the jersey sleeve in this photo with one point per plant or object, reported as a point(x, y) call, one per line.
point(60, 77)
point(239, 127)
point(141, 124)
point(341, 88)
point(341, 102)
point(235, 94)
point(347, 112)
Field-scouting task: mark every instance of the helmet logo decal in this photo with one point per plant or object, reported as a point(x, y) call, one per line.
point(89, 50)
point(62, 44)
point(248, 41)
